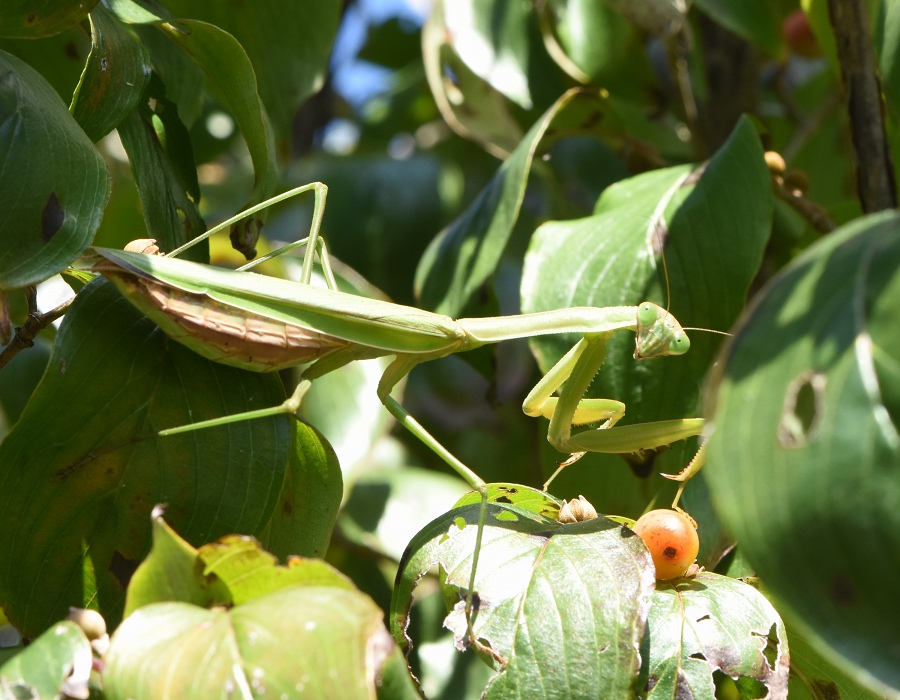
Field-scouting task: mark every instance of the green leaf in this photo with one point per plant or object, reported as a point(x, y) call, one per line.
point(712, 222)
point(53, 180)
point(182, 79)
point(757, 22)
point(59, 58)
point(598, 40)
point(29, 19)
point(386, 505)
point(471, 105)
point(170, 211)
point(888, 40)
point(84, 465)
point(289, 44)
point(545, 592)
point(491, 37)
point(463, 255)
point(814, 677)
point(249, 572)
point(515, 494)
point(711, 623)
point(172, 571)
point(331, 644)
point(114, 78)
point(307, 508)
point(804, 457)
point(57, 662)
point(231, 80)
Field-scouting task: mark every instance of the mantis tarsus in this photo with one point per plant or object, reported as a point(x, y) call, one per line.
point(264, 324)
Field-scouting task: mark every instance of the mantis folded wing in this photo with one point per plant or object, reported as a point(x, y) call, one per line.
point(264, 324)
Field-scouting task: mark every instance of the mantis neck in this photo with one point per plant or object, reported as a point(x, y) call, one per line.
point(584, 320)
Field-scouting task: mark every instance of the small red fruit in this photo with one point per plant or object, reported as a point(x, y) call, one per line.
point(672, 539)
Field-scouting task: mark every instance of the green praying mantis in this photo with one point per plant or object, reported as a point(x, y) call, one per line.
point(264, 324)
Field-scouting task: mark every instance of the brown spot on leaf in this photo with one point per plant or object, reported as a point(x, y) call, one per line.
point(824, 690)
point(52, 218)
point(31, 18)
point(122, 568)
point(842, 591)
point(287, 508)
point(71, 51)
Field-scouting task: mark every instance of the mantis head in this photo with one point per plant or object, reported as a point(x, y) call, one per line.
point(658, 333)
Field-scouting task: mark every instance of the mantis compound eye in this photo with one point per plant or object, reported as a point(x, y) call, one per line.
point(679, 344)
point(647, 314)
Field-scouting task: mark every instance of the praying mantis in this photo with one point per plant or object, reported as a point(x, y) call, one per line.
point(264, 324)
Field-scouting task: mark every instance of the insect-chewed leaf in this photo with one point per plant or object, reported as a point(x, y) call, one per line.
point(83, 466)
point(544, 591)
point(708, 623)
point(232, 317)
point(804, 461)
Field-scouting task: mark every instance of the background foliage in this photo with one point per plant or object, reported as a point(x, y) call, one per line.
point(483, 157)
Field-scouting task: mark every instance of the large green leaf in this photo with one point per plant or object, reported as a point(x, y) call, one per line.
point(288, 42)
point(712, 223)
point(711, 623)
point(53, 180)
point(545, 592)
point(804, 459)
point(29, 19)
point(57, 662)
point(114, 78)
point(84, 465)
point(331, 643)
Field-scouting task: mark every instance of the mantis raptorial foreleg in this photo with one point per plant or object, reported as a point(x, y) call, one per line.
point(263, 324)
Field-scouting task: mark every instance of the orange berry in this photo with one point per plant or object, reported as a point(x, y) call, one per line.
point(672, 539)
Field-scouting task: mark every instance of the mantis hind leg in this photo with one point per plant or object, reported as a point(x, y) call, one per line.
point(314, 243)
point(398, 369)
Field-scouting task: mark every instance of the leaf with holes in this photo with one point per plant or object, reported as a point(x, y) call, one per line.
point(56, 664)
point(712, 623)
point(804, 459)
point(544, 592)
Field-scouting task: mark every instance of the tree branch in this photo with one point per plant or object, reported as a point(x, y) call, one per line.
point(877, 188)
point(36, 322)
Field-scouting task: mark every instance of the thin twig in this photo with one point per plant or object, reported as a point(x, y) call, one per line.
point(874, 168)
point(814, 213)
point(25, 335)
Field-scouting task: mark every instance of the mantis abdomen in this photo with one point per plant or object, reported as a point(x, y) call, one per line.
point(225, 333)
